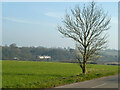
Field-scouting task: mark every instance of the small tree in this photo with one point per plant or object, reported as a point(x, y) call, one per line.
point(86, 27)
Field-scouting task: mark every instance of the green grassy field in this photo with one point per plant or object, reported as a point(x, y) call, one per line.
point(29, 74)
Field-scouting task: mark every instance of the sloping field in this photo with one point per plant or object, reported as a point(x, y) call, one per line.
point(31, 74)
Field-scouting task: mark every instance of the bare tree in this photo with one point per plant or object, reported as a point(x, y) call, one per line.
point(86, 27)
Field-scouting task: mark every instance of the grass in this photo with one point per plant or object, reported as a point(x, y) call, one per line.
point(29, 74)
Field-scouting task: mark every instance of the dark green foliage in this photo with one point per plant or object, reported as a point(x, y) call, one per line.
point(57, 54)
point(32, 53)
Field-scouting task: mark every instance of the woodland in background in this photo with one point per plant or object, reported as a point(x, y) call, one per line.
point(57, 54)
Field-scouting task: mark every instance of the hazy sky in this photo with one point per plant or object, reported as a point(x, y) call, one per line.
point(35, 24)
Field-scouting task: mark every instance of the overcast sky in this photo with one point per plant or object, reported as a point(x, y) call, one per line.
point(35, 24)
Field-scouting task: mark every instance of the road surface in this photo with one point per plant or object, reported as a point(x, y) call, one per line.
point(104, 82)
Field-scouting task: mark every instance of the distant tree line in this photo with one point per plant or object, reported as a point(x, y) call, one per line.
point(32, 53)
point(57, 54)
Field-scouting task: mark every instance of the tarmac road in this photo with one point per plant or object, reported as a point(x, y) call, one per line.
point(104, 82)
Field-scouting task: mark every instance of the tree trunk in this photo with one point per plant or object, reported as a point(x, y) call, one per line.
point(84, 68)
point(84, 60)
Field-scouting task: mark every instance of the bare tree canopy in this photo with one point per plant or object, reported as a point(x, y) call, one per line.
point(86, 26)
